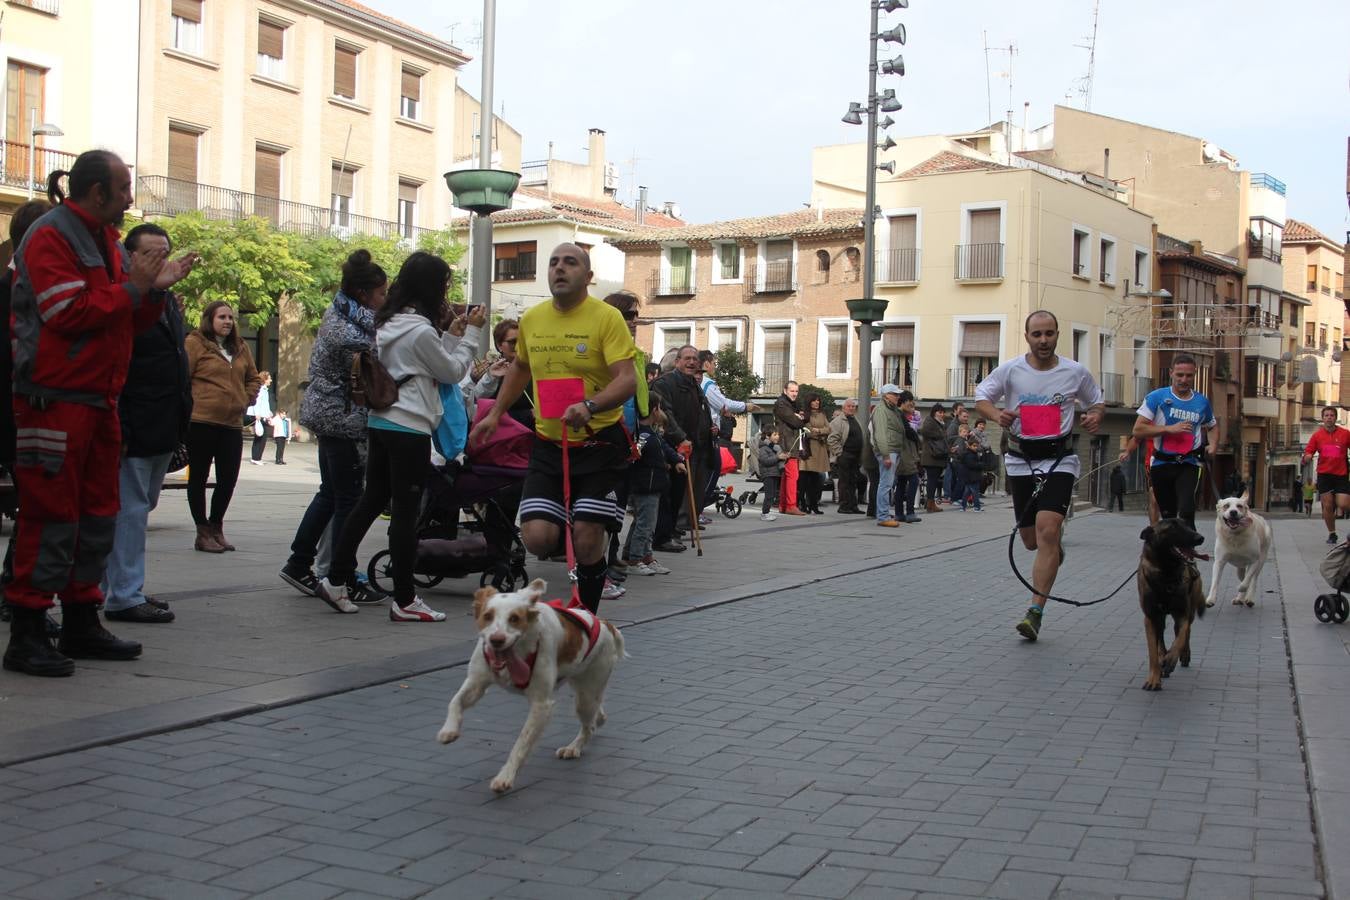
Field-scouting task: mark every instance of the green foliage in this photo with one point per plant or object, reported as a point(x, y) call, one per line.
point(827, 400)
point(734, 377)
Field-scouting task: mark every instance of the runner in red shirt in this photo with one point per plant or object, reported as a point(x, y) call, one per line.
point(1330, 443)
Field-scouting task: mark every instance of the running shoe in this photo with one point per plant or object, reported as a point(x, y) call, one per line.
point(768, 517)
point(364, 593)
point(641, 569)
point(656, 567)
point(416, 611)
point(1030, 627)
point(303, 580)
point(335, 595)
point(612, 591)
point(1331, 538)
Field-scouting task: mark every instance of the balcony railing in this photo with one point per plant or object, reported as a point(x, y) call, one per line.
point(978, 261)
point(45, 161)
point(158, 195)
point(1259, 390)
point(1260, 319)
point(675, 283)
point(774, 278)
point(52, 7)
point(775, 377)
point(1113, 388)
point(1262, 180)
point(898, 265)
point(1267, 249)
point(1142, 386)
point(962, 382)
point(905, 380)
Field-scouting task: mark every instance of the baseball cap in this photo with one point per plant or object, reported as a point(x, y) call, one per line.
point(889, 389)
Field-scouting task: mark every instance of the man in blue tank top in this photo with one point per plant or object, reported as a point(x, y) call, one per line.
point(1176, 419)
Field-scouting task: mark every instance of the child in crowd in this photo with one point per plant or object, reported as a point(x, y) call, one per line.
point(969, 470)
point(771, 457)
point(648, 482)
point(281, 433)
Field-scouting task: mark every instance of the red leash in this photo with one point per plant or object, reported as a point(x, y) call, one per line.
point(567, 520)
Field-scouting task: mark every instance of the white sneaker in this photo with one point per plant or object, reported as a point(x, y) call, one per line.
point(612, 591)
point(257, 462)
point(768, 517)
point(642, 569)
point(335, 595)
point(416, 611)
point(657, 568)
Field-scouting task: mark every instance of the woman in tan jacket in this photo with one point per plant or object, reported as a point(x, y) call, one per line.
point(815, 466)
point(224, 380)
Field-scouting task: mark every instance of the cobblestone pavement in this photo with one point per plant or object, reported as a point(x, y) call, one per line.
point(885, 734)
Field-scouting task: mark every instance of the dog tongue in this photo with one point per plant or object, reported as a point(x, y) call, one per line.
point(520, 673)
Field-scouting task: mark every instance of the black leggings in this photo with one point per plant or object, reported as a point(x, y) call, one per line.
point(207, 444)
point(934, 481)
point(396, 474)
point(1174, 488)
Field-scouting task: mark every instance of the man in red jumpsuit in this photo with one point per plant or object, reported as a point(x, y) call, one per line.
point(78, 300)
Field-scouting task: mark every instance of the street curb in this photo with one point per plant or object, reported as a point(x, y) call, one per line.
point(126, 725)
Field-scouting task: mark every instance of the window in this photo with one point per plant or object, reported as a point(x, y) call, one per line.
point(724, 334)
point(1322, 337)
point(727, 268)
point(1108, 261)
point(25, 93)
point(776, 274)
point(897, 356)
point(266, 181)
point(901, 262)
point(679, 271)
point(978, 357)
point(271, 50)
point(407, 207)
point(1141, 270)
point(344, 189)
point(822, 266)
point(1312, 278)
point(1309, 334)
point(182, 169)
point(410, 93)
point(1325, 284)
point(1264, 239)
point(344, 71)
point(981, 256)
point(776, 359)
point(1082, 252)
point(852, 263)
point(515, 262)
point(667, 336)
point(187, 26)
point(832, 349)
point(1080, 346)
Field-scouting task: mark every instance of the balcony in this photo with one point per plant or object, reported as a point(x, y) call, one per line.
point(961, 383)
point(1142, 386)
point(51, 7)
point(978, 262)
point(1270, 182)
point(674, 283)
point(898, 266)
point(14, 172)
point(157, 195)
point(1262, 249)
point(1113, 388)
point(903, 380)
point(1260, 401)
point(774, 278)
point(1255, 319)
point(774, 377)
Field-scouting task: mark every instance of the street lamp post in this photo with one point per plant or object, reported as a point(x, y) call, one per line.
point(46, 129)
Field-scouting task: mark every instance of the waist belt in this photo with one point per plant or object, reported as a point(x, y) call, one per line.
point(1039, 449)
point(1165, 457)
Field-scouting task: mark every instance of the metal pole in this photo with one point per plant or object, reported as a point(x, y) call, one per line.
point(869, 229)
point(482, 225)
point(32, 148)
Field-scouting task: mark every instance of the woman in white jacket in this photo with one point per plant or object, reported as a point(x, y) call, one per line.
point(421, 346)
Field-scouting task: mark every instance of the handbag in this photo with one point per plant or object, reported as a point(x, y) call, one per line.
point(179, 460)
point(803, 445)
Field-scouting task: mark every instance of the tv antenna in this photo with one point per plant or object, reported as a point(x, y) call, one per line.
point(1011, 50)
point(1085, 83)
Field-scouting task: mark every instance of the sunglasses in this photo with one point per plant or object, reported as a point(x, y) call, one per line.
point(630, 315)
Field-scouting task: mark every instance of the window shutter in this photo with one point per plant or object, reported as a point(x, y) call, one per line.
point(344, 72)
point(407, 191)
point(344, 181)
point(777, 251)
point(776, 345)
point(898, 341)
point(904, 233)
point(271, 39)
point(507, 251)
point(980, 339)
point(189, 10)
point(266, 172)
point(412, 85)
point(984, 226)
point(182, 154)
point(836, 348)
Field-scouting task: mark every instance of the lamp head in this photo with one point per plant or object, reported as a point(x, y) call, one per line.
point(887, 167)
point(893, 5)
point(893, 66)
point(887, 144)
point(47, 129)
point(888, 102)
point(895, 36)
point(854, 114)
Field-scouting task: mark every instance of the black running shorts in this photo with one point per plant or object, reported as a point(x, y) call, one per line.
point(1332, 484)
point(1055, 497)
point(598, 468)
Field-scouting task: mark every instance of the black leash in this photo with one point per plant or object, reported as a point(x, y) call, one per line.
point(1012, 540)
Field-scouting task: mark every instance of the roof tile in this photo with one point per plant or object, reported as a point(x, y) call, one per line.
point(583, 211)
point(800, 223)
point(1296, 232)
point(946, 162)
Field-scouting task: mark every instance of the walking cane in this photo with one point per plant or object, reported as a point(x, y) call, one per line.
point(689, 495)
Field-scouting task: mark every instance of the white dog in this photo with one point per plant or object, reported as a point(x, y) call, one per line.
point(1242, 540)
point(529, 647)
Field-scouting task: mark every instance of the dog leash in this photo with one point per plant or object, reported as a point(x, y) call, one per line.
point(567, 517)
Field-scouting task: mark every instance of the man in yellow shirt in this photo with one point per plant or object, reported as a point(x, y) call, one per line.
point(579, 353)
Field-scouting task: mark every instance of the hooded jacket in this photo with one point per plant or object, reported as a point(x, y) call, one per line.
point(326, 409)
point(221, 388)
point(409, 345)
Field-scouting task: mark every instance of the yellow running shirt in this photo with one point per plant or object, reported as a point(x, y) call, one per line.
point(581, 343)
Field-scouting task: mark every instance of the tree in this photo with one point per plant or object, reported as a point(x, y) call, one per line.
point(734, 377)
point(827, 400)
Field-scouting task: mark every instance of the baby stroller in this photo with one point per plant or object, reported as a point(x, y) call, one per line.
point(1336, 570)
point(486, 486)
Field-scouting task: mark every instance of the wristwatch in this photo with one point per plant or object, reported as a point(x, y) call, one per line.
point(590, 406)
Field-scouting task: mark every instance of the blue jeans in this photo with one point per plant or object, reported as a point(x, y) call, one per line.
point(639, 543)
point(341, 477)
point(886, 487)
point(139, 481)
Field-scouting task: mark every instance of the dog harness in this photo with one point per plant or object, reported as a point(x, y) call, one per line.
point(522, 671)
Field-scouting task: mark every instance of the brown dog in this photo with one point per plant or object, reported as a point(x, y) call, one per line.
point(1169, 585)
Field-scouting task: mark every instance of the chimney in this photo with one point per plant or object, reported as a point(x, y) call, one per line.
point(640, 214)
point(1197, 248)
point(1106, 163)
point(595, 163)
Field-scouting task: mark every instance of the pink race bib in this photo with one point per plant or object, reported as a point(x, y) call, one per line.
point(1178, 443)
point(556, 394)
point(1039, 421)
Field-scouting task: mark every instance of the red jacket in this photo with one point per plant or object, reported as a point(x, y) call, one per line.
point(1331, 450)
point(75, 312)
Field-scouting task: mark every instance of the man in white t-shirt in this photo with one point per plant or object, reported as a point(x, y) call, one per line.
point(1040, 392)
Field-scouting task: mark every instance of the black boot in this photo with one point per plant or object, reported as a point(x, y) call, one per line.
point(84, 637)
point(30, 650)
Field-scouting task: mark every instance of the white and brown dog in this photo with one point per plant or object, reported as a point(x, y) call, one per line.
point(1242, 540)
point(529, 647)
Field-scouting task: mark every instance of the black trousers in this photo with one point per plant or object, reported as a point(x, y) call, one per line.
point(222, 445)
point(396, 473)
point(1117, 498)
point(846, 467)
point(934, 482)
point(259, 445)
point(1174, 488)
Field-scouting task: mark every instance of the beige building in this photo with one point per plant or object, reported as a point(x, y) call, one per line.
point(1314, 269)
point(65, 65)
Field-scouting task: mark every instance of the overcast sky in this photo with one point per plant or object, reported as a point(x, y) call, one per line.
point(721, 101)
